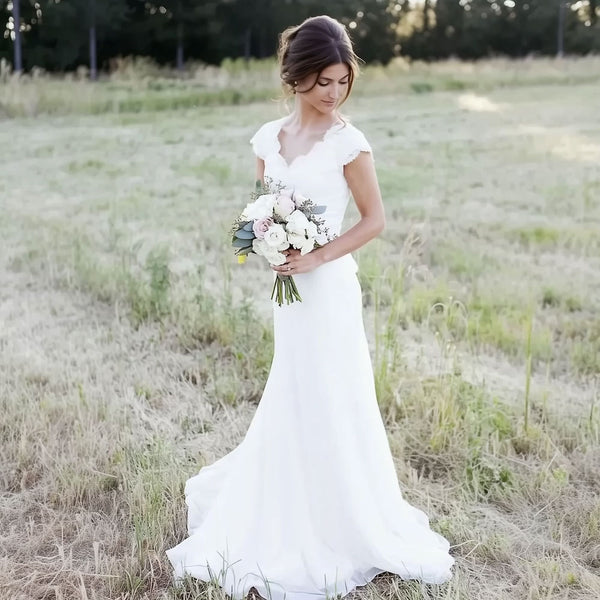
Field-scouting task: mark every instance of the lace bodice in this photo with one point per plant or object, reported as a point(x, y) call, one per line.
point(318, 174)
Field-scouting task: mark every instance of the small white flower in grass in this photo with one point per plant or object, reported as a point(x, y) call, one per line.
point(276, 237)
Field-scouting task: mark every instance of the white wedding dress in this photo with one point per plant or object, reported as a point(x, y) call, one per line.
point(308, 505)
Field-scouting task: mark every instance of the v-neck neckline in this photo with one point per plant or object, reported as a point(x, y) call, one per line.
point(310, 150)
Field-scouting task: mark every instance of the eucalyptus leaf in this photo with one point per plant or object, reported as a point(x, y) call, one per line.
point(248, 226)
point(319, 210)
point(241, 243)
point(244, 235)
point(244, 251)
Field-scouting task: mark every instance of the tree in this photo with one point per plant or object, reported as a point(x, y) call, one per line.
point(63, 35)
point(448, 29)
point(18, 64)
point(560, 41)
point(93, 46)
point(593, 6)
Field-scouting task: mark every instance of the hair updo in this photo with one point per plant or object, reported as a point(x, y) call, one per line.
point(312, 46)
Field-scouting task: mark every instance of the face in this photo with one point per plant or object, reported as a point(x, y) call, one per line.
point(330, 88)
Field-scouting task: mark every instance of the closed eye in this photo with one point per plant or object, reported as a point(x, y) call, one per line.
point(324, 83)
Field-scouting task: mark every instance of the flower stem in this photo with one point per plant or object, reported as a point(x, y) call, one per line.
point(284, 285)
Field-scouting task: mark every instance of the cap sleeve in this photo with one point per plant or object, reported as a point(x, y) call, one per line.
point(264, 141)
point(350, 144)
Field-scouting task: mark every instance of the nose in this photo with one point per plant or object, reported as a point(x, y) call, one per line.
point(334, 92)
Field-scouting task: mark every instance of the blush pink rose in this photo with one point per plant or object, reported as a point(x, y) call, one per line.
point(260, 227)
point(284, 206)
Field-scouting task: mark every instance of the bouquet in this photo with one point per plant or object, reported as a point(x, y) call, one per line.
point(276, 219)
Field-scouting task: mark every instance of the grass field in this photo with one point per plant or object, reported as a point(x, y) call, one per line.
point(133, 347)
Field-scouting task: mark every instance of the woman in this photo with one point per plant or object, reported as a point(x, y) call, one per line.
point(308, 505)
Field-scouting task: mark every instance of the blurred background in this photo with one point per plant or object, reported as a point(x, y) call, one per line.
point(59, 35)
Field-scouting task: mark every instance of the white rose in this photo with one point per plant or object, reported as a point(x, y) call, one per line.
point(284, 206)
point(259, 246)
point(271, 254)
point(301, 242)
point(321, 238)
point(276, 258)
point(299, 199)
point(308, 246)
point(297, 222)
point(311, 230)
point(259, 209)
point(276, 237)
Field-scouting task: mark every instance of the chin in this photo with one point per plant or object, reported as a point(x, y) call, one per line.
point(327, 108)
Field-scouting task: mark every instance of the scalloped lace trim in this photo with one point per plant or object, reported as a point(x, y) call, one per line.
point(351, 154)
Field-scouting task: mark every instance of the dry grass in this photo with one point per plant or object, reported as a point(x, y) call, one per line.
point(133, 349)
point(138, 85)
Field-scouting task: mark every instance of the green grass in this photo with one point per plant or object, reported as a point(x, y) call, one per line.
point(139, 86)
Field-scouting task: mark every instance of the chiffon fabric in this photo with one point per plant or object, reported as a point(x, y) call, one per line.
point(308, 506)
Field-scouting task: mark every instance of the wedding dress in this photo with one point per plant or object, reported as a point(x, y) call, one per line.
point(308, 506)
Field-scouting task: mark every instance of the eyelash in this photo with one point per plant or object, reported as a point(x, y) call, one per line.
point(324, 84)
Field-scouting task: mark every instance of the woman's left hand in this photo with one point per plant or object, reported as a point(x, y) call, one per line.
point(296, 263)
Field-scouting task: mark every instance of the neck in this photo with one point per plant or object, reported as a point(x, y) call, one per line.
point(305, 116)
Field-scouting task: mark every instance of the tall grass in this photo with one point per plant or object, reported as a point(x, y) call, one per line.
point(137, 85)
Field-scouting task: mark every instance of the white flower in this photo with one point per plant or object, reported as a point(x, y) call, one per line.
point(321, 238)
point(301, 242)
point(276, 237)
point(297, 222)
point(259, 209)
point(284, 206)
point(299, 199)
point(271, 254)
point(311, 230)
point(276, 258)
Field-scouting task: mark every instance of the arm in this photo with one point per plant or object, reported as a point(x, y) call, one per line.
point(362, 181)
point(260, 169)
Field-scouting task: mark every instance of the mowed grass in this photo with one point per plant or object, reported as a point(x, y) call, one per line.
point(133, 348)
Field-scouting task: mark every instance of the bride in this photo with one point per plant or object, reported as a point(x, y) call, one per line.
point(308, 506)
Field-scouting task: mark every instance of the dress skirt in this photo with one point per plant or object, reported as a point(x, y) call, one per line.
point(308, 505)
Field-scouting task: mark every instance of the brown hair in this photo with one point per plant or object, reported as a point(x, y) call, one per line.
point(312, 46)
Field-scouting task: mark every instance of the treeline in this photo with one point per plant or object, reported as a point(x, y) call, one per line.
point(60, 35)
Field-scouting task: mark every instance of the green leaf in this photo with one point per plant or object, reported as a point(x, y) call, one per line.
point(248, 226)
point(247, 250)
point(244, 235)
point(241, 243)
